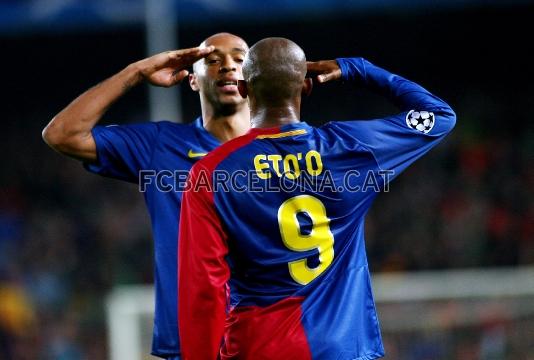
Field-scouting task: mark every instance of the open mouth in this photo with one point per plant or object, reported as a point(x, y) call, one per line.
point(227, 85)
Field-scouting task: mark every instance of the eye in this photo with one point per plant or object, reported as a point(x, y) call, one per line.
point(212, 61)
point(239, 60)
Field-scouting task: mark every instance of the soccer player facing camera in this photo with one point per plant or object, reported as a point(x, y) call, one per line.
point(284, 274)
point(130, 152)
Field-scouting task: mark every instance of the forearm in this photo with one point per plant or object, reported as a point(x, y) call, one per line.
point(69, 132)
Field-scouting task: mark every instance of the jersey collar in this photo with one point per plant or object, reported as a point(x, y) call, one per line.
point(279, 129)
point(205, 134)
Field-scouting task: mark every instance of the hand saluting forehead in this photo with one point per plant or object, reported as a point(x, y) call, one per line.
point(169, 68)
point(323, 71)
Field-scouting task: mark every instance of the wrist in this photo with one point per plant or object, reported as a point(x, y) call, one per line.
point(132, 75)
point(352, 69)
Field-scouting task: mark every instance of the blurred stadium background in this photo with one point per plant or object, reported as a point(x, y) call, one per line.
point(451, 246)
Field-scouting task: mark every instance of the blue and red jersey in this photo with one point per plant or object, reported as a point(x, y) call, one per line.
point(157, 156)
point(272, 261)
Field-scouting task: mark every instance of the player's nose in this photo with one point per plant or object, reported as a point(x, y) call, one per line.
point(228, 64)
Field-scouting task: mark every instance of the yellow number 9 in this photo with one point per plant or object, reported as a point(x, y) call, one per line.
point(320, 237)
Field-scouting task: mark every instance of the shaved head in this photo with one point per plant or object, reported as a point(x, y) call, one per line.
point(207, 41)
point(274, 70)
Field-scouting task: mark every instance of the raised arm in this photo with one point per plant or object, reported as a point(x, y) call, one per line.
point(69, 132)
point(404, 93)
point(396, 141)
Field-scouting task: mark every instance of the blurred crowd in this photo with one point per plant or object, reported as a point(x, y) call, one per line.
point(469, 203)
point(66, 238)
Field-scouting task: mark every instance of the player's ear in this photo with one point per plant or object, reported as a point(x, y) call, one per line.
point(242, 88)
point(193, 82)
point(307, 86)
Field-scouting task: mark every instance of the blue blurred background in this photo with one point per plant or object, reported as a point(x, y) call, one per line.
point(68, 237)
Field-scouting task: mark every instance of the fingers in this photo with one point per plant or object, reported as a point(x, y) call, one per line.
point(332, 75)
point(321, 66)
point(191, 55)
point(314, 66)
point(207, 50)
point(323, 71)
point(178, 76)
point(321, 78)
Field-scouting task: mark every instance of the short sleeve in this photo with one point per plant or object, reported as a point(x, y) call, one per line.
point(123, 150)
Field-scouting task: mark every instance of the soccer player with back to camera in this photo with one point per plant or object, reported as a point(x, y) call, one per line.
point(289, 257)
point(152, 148)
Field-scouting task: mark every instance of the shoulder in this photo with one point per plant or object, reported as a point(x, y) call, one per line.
point(146, 127)
point(351, 134)
point(174, 127)
point(219, 154)
point(131, 133)
point(177, 133)
point(337, 129)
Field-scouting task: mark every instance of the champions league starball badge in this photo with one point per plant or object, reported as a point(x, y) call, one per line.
point(422, 121)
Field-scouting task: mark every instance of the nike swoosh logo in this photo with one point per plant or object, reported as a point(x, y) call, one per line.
point(193, 154)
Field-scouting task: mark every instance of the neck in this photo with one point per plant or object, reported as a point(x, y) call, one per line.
point(266, 117)
point(228, 123)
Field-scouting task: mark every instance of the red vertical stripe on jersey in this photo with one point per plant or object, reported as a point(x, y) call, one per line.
point(273, 332)
point(202, 269)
